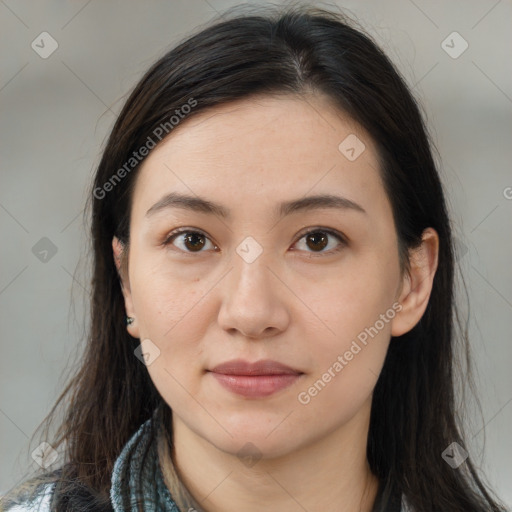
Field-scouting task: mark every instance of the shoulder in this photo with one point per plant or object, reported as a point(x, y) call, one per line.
point(39, 502)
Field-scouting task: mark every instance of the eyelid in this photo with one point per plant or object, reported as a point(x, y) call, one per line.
point(329, 231)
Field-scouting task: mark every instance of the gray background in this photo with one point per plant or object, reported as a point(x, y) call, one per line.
point(57, 111)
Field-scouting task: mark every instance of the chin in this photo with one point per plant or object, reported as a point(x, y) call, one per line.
point(267, 436)
point(255, 447)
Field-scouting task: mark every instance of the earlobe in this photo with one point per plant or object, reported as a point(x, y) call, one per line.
point(417, 284)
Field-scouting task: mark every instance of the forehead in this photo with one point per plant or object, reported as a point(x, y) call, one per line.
point(268, 119)
point(261, 149)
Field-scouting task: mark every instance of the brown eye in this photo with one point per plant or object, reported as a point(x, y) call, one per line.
point(190, 241)
point(317, 240)
point(194, 241)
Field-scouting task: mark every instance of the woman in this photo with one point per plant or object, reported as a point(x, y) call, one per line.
point(273, 289)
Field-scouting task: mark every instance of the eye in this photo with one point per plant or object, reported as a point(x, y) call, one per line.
point(192, 241)
point(318, 238)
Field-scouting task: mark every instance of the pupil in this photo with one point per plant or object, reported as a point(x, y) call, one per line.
point(318, 238)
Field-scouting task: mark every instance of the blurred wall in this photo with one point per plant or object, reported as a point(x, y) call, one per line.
point(60, 93)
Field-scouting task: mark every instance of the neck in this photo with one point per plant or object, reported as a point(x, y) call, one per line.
point(330, 474)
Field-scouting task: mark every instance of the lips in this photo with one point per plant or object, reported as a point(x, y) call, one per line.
point(263, 367)
point(254, 380)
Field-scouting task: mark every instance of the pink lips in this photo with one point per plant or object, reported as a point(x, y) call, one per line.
point(255, 380)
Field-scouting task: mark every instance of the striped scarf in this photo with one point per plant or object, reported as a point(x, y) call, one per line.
point(138, 483)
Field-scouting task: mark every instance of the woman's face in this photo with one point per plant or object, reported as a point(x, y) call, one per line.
point(250, 284)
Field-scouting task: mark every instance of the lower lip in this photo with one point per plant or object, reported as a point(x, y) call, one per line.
point(255, 386)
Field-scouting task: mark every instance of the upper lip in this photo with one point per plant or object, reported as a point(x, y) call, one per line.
point(262, 367)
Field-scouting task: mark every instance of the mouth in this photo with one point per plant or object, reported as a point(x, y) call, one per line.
point(255, 380)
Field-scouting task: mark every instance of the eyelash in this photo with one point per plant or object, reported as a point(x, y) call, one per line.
point(343, 242)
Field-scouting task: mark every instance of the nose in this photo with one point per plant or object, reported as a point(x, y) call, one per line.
point(254, 300)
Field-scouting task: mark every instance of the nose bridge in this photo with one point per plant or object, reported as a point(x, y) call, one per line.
point(252, 301)
point(251, 273)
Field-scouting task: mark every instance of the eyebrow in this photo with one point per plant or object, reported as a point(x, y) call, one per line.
point(201, 205)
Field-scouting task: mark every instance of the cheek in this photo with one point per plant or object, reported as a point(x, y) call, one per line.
point(163, 298)
point(173, 316)
point(353, 299)
point(356, 310)
point(345, 370)
point(177, 372)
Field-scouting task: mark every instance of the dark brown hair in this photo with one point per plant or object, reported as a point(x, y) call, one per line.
point(290, 51)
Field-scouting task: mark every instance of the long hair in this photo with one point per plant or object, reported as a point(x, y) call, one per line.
point(280, 51)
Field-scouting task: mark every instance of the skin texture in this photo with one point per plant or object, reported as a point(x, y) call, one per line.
point(295, 303)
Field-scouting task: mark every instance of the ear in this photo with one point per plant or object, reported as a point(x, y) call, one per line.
point(121, 261)
point(417, 283)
